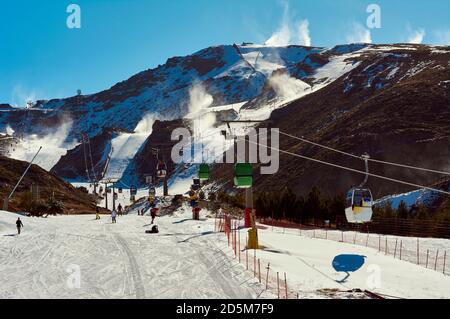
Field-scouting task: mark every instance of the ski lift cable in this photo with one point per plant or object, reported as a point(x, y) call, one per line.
point(370, 159)
point(351, 169)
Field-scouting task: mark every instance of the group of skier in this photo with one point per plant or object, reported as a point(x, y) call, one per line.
point(114, 214)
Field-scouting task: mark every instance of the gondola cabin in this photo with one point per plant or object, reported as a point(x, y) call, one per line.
point(359, 203)
point(203, 172)
point(243, 177)
point(161, 170)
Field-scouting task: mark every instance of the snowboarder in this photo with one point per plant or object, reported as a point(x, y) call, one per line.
point(114, 216)
point(97, 213)
point(19, 225)
point(119, 208)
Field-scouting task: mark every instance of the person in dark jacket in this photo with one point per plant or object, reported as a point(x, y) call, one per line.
point(19, 225)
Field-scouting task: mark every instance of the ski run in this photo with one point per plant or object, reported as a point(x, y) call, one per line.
point(80, 257)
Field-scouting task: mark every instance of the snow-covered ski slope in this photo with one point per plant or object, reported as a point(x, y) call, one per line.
point(309, 264)
point(188, 260)
point(117, 261)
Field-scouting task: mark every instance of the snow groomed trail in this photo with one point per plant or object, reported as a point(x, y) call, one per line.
point(188, 260)
point(117, 261)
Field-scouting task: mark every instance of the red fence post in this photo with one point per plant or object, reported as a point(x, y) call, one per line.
point(239, 236)
point(395, 251)
point(278, 284)
point(418, 260)
point(285, 285)
point(445, 258)
point(401, 244)
point(259, 270)
point(436, 260)
point(254, 262)
point(246, 257)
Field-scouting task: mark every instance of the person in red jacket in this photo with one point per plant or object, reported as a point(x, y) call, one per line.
point(153, 213)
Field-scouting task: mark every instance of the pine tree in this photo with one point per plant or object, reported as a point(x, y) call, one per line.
point(402, 210)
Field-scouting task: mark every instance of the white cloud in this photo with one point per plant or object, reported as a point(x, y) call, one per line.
point(285, 35)
point(359, 34)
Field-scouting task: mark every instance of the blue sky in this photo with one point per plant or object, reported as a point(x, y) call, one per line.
point(41, 58)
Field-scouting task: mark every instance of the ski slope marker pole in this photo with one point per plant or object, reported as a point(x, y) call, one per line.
point(428, 253)
point(259, 270)
point(254, 262)
point(267, 276)
point(395, 250)
point(418, 248)
point(285, 285)
point(239, 236)
point(401, 244)
point(246, 257)
point(445, 258)
point(278, 284)
point(436, 260)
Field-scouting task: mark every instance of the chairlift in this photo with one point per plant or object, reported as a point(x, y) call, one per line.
point(161, 169)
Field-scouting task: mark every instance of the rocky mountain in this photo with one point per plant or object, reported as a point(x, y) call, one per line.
point(391, 101)
point(75, 201)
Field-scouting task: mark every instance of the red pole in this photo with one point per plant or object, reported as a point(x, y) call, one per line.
point(259, 270)
point(254, 262)
point(278, 284)
point(246, 257)
point(285, 285)
point(435, 262)
point(239, 236)
point(401, 244)
point(418, 260)
point(445, 258)
point(395, 250)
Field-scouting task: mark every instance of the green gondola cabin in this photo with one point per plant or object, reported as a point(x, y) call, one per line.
point(203, 172)
point(243, 175)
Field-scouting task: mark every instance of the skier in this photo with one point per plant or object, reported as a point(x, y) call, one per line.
point(19, 225)
point(97, 213)
point(119, 208)
point(114, 216)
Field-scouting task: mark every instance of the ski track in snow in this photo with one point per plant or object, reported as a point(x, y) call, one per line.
point(117, 261)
